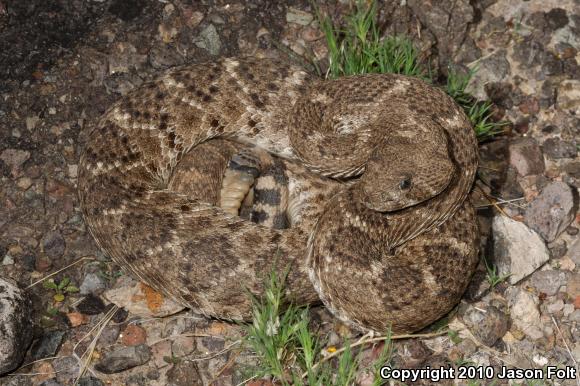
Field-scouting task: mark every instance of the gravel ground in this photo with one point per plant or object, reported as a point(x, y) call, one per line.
point(62, 62)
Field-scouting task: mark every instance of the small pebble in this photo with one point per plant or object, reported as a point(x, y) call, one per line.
point(575, 316)
point(184, 374)
point(488, 324)
point(14, 158)
point(183, 345)
point(555, 307)
point(109, 335)
point(43, 263)
point(297, 16)
point(573, 285)
point(24, 183)
point(66, 368)
point(90, 381)
point(43, 372)
point(53, 245)
point(133, 335)
point(92, 284)
point(161, 350)
point(555, 148)
point(76, 319)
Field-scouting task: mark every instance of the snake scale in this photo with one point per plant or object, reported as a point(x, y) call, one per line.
point(378, 169)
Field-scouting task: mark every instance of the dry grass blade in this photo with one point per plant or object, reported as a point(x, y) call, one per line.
point(228, 364)
point(215, 354)
point(567, 348)
point(500, 201)
point(99, 327)
point(189, 334)
point(60, 270)
point(493, 202)
point(15, 374)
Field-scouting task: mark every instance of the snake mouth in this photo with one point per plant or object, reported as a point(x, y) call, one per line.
point(388, 206)
point(384, 201)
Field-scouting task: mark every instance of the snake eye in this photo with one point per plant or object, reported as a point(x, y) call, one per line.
point(405, 184)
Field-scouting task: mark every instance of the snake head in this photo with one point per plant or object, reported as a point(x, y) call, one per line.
point(404, 172)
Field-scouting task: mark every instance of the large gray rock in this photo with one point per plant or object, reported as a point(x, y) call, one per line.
point(552, 211)
point(518, 251)
point(15, 325)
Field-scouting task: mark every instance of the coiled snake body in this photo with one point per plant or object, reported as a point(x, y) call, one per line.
point(395, 246)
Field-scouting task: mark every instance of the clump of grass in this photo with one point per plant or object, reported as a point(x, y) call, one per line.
point(290, 352)
point(358, 48)
point(493, 278)
point(479, 112)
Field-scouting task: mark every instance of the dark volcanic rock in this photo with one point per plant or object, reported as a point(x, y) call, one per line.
point(91, 305)
point(48, 345)
point(123, 359)
point(556, 19)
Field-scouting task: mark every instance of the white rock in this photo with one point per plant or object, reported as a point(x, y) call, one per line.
point(524, 312)
point(31, 122)
point(540, 360)
point(480, 358)
point(16, 325)
point(518, 250)
point(555, 307)
point(298, 16)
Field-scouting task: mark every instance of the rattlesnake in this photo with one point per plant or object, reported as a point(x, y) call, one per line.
point(394, 246)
